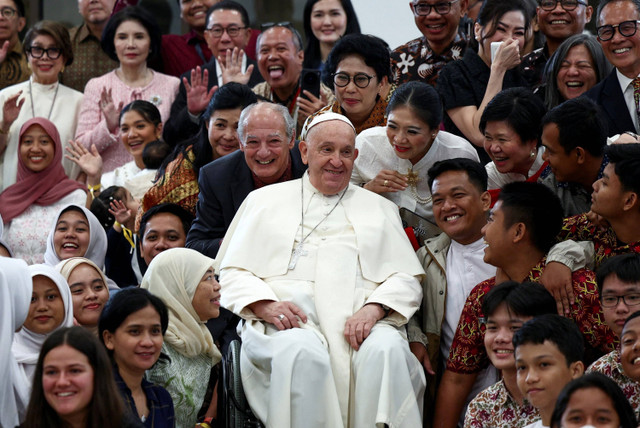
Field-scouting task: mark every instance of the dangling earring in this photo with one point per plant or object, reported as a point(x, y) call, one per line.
point(532, 154)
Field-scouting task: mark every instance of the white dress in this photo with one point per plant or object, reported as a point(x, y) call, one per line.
point(497, 179)
point(64, 115)
point(375, 153)
point(27, 233)
point(136, 180)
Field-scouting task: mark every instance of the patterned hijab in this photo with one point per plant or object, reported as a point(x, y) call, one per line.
point(40, 188)
point(173, 275)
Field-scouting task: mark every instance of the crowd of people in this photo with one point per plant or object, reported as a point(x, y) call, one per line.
point(444, 234)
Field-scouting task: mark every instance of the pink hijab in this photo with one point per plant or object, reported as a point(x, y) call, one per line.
point(39, 188)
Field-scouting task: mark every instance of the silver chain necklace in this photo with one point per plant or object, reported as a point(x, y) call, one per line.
point(299, 250)
point(55, 95)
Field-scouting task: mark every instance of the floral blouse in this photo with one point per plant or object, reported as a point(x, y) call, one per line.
point(495, 408)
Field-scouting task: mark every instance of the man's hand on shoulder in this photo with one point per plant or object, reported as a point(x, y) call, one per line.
point(284, 315)
point(556, 278)
point(358, 326)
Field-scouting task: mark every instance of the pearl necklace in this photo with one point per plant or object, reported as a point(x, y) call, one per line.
point(412, 180)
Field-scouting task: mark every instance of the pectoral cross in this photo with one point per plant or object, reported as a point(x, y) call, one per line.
point(297, 252)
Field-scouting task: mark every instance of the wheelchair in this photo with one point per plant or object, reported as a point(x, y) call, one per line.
point(237, 410)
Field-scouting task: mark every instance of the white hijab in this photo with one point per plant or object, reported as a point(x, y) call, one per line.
point(27, 344)
point(173, 275)
point(96, 250)
point(15, 296)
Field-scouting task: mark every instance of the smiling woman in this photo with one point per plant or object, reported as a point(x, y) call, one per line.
point(48, 50)
point(28, 207)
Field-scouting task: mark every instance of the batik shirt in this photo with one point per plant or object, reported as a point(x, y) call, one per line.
point(495, 408)
point(468, 354)
point(610, 366)
point(605, 241)
point(416, 60)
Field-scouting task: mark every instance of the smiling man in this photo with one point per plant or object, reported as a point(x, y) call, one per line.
point(268, 154)
point(441, 41)
point(558, 20)
point(13, 63)
point(89, 60)
point(280, 57)
point(312, 265)
point(574, 135)
point(620, 40)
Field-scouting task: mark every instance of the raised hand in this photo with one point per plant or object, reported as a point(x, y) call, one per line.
point(109, 110)
point(11, 110)
point(231, 67)
point(4, 50)
point(90, 162)
point(197, 95)
point(120, 212)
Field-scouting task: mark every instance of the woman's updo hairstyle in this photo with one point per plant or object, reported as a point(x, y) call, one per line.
point(422, 99)
point(147, 110)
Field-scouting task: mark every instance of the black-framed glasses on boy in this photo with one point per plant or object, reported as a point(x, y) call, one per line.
point(218, 30)
point(625, 28)
point(424, 9)
point(361, 80)
point(566, 4)
point(38, 52)
point(611, 301)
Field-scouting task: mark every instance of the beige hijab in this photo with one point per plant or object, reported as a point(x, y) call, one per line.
point(173, 275)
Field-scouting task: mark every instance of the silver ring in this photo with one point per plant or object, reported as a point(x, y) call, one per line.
point(386, 183)
point(281, 317)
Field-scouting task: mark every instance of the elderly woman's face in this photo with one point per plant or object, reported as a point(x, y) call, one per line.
point(577, 73)
point(45, 68)
point(357, 102)
point(72, 235)
point(507, 150)
point(132, 43)
point(37, 149)
point(223, 131)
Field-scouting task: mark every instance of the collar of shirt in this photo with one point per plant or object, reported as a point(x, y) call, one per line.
point(84, 34)
point(574, 186)
point(453, 51)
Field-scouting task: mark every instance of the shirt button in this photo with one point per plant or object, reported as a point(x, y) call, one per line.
point(441, 292)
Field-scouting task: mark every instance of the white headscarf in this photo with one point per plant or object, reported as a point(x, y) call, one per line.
point(97, 248)
point(27, 344)
point(15, 296)
point(173, 275)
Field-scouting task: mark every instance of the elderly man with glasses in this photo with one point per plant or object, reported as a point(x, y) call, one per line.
point(558, 20)
point(442, 42)
point(13, 64)
point(619, 93)
point(227, 34)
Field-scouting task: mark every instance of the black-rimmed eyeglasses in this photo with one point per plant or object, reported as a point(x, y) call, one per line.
point(424, 9)
point(8, 12)
point(38, 52)
point(626, 28)
point(361, 80)
point(566, 4)
point(232, 30)
point(611, 301)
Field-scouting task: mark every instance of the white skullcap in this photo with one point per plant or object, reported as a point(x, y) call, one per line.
point(324, 117)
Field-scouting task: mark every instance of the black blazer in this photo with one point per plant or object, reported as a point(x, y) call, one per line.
point(179, 126)
point(608, 95)
point(224, 184)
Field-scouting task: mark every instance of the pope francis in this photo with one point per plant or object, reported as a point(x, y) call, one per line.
point(326, 279)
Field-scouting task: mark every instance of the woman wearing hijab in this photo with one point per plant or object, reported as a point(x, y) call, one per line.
point(77, 233)
point(50, 309)
point(15, 295)
point(184, 280)
point(88, 288)
point(28, 207)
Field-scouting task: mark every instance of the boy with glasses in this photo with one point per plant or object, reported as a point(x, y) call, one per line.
point(441, 42)
point(619, 93)
point(13, 63)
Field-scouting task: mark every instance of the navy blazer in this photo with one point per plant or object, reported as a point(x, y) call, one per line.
point(224, 184)
point(179, 127)
point(608, 95)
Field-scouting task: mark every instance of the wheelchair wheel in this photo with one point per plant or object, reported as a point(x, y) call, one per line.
point(238, 412)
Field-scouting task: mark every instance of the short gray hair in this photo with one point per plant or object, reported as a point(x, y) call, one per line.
point(289, 123)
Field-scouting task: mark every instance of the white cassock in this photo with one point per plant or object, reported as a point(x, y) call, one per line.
point(310, 376)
